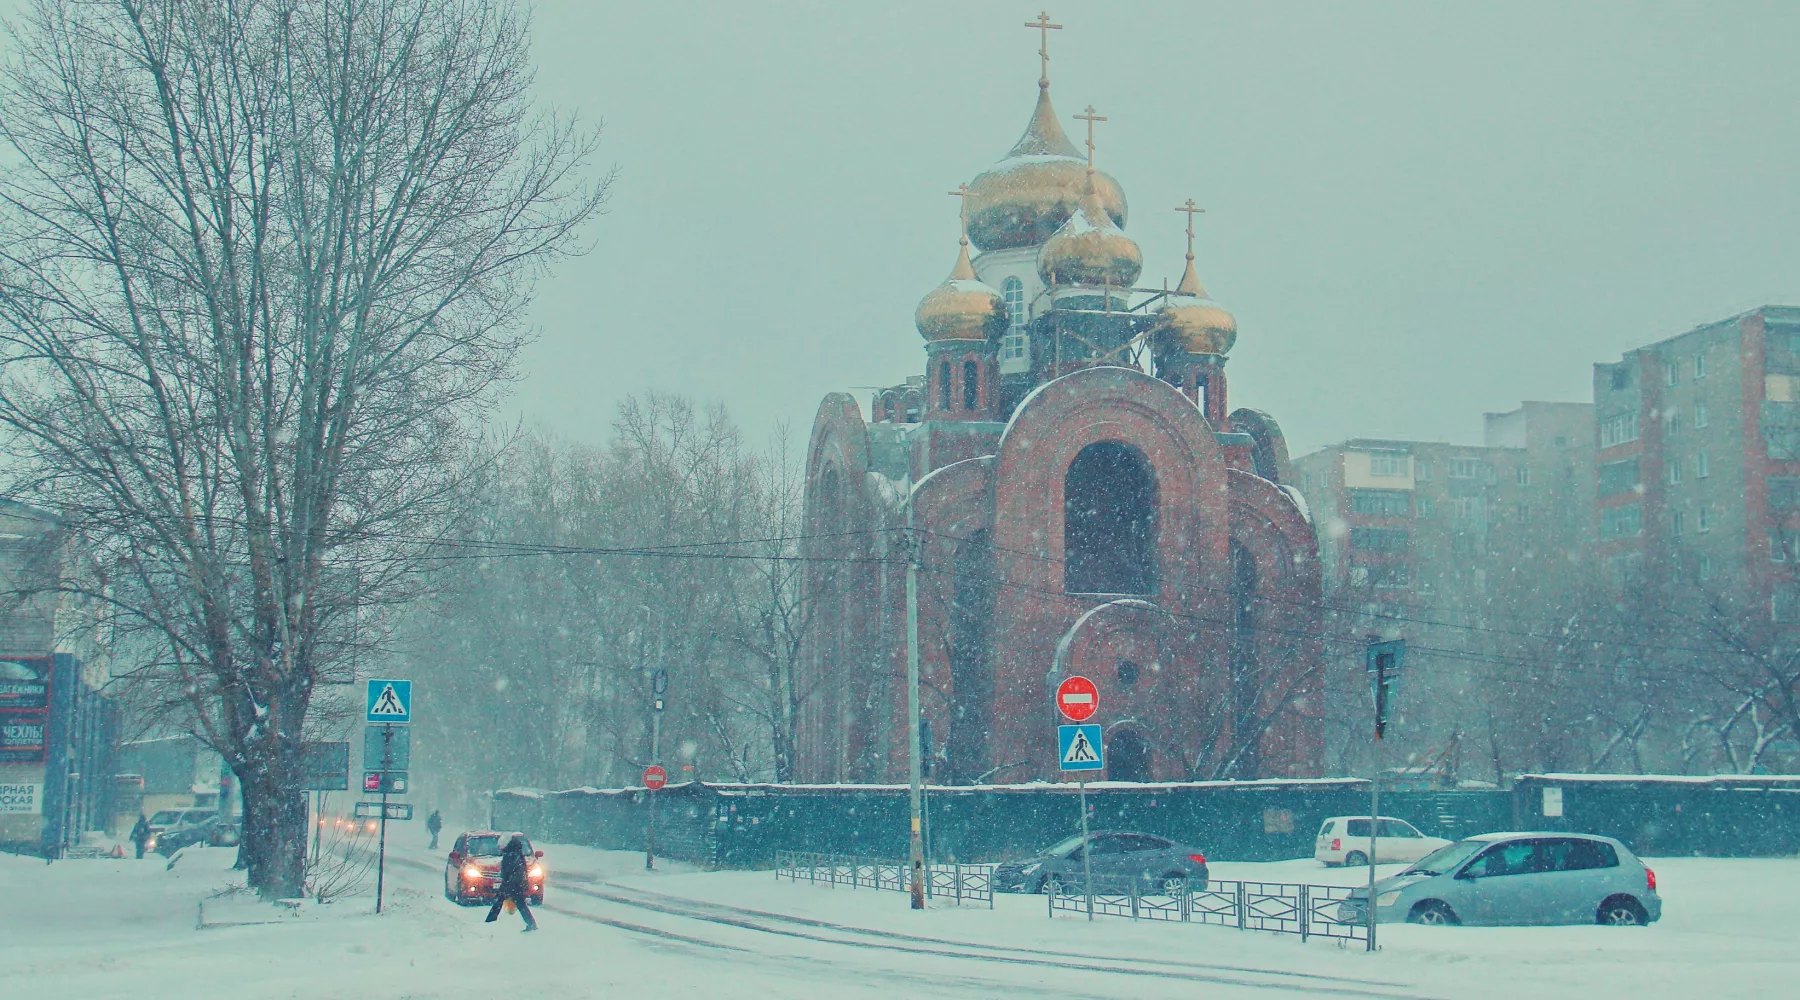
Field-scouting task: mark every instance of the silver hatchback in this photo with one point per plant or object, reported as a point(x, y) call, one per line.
point(1517, 878)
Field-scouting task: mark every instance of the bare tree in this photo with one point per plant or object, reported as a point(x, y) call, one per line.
point(262, 265)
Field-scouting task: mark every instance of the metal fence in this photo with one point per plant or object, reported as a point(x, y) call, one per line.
point(1280, 907)
point(946, 883)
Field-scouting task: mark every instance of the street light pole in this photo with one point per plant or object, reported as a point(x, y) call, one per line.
point(916, 836)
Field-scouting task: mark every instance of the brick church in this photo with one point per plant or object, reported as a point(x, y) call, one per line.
point(1088, 503)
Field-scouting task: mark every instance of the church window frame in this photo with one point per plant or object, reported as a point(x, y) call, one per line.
point(944, 385)
point(1013, 345)
point(971, 388)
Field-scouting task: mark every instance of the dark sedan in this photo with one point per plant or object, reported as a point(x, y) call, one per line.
point(1114, 857)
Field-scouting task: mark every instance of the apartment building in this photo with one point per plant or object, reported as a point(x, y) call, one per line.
point(1698, 442)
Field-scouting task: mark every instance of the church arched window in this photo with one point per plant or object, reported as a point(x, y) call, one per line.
point(971, 385)
point(1012, 346)
point(944, 385)
point(1109, 521)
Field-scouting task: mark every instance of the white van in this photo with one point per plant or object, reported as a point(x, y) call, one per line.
point(1344, 840)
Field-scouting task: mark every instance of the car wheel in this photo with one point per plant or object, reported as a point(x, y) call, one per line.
point(1433, 913)
point(1355, 859)
point(1174, 885)
point(1622, 911)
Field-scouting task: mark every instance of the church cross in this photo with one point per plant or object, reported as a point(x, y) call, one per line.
point(1044, 27)
point(1192, 210)
point(962, 192)
point(1089, 117)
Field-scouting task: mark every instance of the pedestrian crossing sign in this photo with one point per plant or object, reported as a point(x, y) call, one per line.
point(390, 702)
point(1080, 748)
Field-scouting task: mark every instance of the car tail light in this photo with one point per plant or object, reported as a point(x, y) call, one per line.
point(1198, 859)
point(1649, 878)
point(1336, 844)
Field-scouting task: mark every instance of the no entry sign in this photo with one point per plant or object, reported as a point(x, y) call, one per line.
point(1077, 698)
point(655, 777)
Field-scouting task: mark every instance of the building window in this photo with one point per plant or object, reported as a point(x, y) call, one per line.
point(1109, 521)
point(1306, 481)
point(1784, 492)
point(1705, 568)
point(1784, 603)
point(1672, 423)
point(1618, 430)
point(971, 385)
point(1705, 517)
point(1700, 468)
point(1387, 463)
point(1618, 477)
point(1782, 545)
point(1014, 345)
point(1700, 415)
point(944, 386)
point(1378, 539)
point(1524, 475)
point(1674, 472)
point(1621, 376)
point(1379, 503)
point(1422, 472)
point(1700, 363)
point(1621, 522)
point(1672, 374)
point(1425, 507)
point(1465, 508)
point(1677, 523)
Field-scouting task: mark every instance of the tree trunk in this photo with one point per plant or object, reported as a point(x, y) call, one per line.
point(274, 837)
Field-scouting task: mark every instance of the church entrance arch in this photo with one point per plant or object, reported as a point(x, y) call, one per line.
point(1127, 756)
point(1109, 521)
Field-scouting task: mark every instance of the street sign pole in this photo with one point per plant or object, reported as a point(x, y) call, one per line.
point(1382, 660)
point(658, 685)
point(387, 749)
point(1087, 863)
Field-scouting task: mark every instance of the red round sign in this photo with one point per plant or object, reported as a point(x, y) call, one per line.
point(655, 777)
point(1077, 698)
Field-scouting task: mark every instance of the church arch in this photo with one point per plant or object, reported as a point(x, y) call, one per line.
point(1109, 521)
point(1127, 755)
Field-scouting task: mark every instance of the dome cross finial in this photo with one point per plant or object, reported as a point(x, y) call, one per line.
point(1044, 27)
point(1192, 210)
point(962, 192)
point(1090, 117)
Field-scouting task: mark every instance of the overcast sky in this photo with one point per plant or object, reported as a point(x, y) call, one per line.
point(1418, 212)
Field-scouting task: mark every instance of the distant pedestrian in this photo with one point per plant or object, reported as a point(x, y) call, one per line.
point(434, 823)
point(140, 835)
point(512, 883)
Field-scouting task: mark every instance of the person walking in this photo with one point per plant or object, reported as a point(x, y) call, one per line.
point(512, 883)
point(434, 823)
point(140, 835)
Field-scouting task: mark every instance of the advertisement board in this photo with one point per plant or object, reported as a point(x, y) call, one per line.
point(21, 800)
point(25, 683)
point(22, 737)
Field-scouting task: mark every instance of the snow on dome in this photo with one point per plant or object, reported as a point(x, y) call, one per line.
point(1022, 200)
point(1090, 249)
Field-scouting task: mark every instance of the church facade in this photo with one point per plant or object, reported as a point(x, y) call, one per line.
point(1084, 500)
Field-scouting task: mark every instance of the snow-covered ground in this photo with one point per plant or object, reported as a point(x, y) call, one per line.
point(95, 929)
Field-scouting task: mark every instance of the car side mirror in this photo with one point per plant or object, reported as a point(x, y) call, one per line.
point(537, 854)
point(455, 858)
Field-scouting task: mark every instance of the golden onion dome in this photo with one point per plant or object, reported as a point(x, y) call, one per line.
point(1090, 249)
point(1193, 322)
point(962, 308)
point(1026, 197)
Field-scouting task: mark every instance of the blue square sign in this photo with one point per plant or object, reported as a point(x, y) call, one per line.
point(390, 701)
point(1080, 748)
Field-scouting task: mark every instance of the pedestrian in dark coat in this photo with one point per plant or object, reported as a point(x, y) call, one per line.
point(140, 835)
point(512, 883)
point(434, 823)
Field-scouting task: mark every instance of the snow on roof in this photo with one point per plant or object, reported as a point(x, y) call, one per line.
point(1685, 779)
point(1298, 500)
point(1059, 787)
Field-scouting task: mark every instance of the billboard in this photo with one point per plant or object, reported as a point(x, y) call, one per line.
point(21, 800)
point(25, 683)
point(22, 737)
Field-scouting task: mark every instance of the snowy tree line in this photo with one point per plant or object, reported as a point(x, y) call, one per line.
point(670, 547)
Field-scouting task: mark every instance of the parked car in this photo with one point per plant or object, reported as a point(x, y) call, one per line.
point(1344, 840)
point(472, 872)
point(1517, 878)
point(212, 831)
point(165, 820)
point(1113, 855)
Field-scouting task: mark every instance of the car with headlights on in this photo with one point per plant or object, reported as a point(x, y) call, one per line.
point(472, 871)
point(1113, 856)
point(1517, 878)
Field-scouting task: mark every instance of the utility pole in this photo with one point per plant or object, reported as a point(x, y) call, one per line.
point(659, 685)
point(1382, 660)
point(916, 837)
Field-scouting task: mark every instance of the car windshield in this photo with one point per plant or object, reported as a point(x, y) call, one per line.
point(166, 817)
point(1063, 847)
point(1445, 858)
